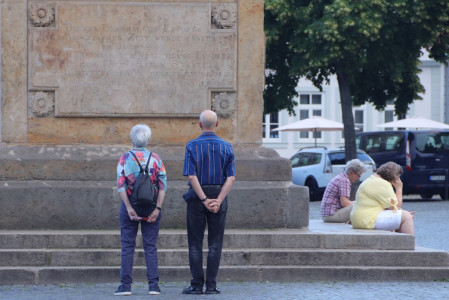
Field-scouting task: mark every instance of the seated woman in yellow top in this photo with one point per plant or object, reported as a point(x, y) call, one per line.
point(378, 206)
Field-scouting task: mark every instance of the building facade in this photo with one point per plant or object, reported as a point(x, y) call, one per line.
point(326, 103)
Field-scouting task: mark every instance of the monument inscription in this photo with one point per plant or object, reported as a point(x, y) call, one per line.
point(131, 58)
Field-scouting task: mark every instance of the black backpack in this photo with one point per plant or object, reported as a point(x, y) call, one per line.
point(144, 192)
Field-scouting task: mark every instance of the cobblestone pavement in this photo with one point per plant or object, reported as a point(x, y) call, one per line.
point(243, 291)
point(431, 226)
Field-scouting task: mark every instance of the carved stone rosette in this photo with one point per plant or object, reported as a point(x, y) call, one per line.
point(224, 104)
point(42, 103)
point(224, 15)
point(42, 14)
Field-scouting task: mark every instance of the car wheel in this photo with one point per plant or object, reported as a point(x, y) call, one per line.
point(313, 190)
point(426, 195)
point(442, 196)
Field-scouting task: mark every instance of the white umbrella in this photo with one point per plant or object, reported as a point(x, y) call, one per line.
point(416, 122)
point(314, 124)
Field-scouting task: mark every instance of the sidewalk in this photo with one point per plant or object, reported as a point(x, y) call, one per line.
point(243, 291)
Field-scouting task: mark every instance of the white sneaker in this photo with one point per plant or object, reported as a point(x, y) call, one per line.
point(154, 290)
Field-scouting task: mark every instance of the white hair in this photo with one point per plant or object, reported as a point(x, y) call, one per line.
point(355, 166)
point(209, 119)
point(140, 135)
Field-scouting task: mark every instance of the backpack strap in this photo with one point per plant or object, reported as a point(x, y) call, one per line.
point(140, 166)
point(148, 163)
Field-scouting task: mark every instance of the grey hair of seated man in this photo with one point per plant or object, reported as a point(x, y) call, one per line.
point(208, 119)
point(355, 166)
point(140, 135)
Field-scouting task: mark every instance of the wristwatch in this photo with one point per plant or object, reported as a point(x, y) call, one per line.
point(159, 208)
point(202, 200)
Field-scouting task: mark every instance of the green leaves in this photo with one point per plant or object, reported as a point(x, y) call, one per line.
point(377, 43)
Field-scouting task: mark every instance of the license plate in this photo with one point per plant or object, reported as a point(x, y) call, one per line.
point(437, 178)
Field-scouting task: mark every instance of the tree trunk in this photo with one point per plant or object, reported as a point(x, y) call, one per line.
point(348, 117)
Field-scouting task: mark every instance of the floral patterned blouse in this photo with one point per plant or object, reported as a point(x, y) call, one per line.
point(128, 170)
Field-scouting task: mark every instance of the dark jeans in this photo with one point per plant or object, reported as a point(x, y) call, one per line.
point(150, 234)
point(197, 217)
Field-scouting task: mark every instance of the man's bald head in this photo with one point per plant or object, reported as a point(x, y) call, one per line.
point(208, 120)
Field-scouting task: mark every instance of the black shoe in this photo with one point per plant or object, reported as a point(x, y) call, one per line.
point(192, 291)
point(123, 291)
point(213, 291)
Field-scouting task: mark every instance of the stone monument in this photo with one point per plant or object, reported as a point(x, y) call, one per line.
point(78, 75)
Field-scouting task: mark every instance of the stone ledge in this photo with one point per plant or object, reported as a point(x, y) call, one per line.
point(99, 163)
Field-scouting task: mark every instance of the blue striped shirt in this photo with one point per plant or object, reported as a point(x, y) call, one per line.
point(210, 158)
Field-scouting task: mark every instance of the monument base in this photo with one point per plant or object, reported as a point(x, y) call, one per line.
point(73, 187)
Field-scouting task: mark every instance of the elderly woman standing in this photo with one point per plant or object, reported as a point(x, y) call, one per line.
point(127, 172)
point(336, 206)
point(378, 205)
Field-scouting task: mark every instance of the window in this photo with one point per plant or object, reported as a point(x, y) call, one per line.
point(316, 99)
point(432, 142)
point(303, 114)
point(389, 113)
point(305, 159)
point(270, 122)
point(304, 99)
point(393, 143)
point(380, 143)
point(358, 120)
point(338, 158)
point(310, 105)
point(388, 117)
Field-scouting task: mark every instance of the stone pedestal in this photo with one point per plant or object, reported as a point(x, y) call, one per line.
point(73, 187)
point(78, 75)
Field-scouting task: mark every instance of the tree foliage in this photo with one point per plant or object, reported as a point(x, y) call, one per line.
point(372, 46)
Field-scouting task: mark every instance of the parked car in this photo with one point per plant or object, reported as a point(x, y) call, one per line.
point(314, 167)
point(423, 154)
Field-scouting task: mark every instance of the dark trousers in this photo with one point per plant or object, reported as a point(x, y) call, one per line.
point(197, 217)
point(150, 234)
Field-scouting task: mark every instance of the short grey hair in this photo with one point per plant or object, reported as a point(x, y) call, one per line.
point(355, 166)
point(209, 119)
point(140, 135)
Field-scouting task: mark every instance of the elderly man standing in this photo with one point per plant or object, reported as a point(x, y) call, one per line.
point(210, 166)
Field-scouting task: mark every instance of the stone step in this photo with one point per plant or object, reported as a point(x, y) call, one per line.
point(96, 274)
point(323, 251)
point(421, 257)
point(319, 235)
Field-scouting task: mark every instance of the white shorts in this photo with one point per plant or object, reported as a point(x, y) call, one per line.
point(388, 220)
